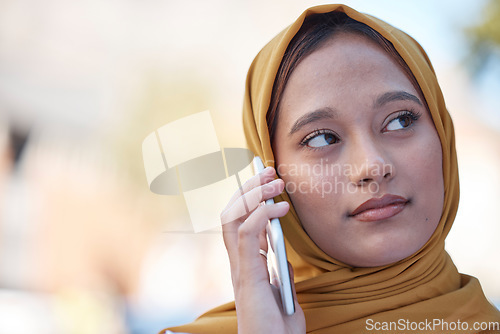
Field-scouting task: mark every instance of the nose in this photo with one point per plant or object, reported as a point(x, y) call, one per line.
point(369, 162)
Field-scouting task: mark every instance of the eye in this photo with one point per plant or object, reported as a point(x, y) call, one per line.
point(403, 120)
point(320, 138)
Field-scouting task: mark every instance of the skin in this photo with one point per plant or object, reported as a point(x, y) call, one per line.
point(383, 150)
point(257, 302)
point(376, 150)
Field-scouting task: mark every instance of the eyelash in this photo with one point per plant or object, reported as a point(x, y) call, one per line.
point(316, 133)
point(412, 114)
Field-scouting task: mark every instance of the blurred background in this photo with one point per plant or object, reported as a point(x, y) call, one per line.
point(85, 247)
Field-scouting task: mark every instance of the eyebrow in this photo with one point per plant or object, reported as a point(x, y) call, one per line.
point(313, 116)
point(395, 96)
point(330, 113)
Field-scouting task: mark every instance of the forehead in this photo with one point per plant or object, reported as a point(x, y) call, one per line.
point(348, 68)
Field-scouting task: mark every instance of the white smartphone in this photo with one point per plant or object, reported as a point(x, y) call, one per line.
point(276, 255)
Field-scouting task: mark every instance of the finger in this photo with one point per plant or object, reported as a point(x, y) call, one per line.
point(274, 278)
point(243, 247)
point(249, 201)
point(268, 174)
point(263, 248)
point(263, 240)
point(249, 232)
point(232, 218)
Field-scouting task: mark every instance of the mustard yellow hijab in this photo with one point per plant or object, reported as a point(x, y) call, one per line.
point(337, 298)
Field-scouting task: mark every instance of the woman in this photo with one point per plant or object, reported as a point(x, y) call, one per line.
point(348, 111)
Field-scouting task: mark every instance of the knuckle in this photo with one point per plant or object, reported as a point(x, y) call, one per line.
point(244, 231)
point(261, 212)
point(268, 190)
point(248, 227)
point(253, 182)
point(253, 192)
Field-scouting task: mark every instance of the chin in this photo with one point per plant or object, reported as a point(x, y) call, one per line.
point(376, 262)
point(379, 256)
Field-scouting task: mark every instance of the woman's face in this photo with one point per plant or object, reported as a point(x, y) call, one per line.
point(359, 154)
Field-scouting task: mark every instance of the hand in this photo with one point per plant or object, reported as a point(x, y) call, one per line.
point(258, 303)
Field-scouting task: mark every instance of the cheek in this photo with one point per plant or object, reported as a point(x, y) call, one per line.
point(424, 169)
point(309, 189)
point(434, 180)
point(426, 164)
point(317, 198)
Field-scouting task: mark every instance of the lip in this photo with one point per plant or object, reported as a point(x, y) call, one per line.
point(380, 208)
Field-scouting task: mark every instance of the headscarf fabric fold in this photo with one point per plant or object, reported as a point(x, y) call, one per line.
point(337, 298)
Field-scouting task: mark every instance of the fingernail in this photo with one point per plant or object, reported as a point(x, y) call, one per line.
point(284, 203)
